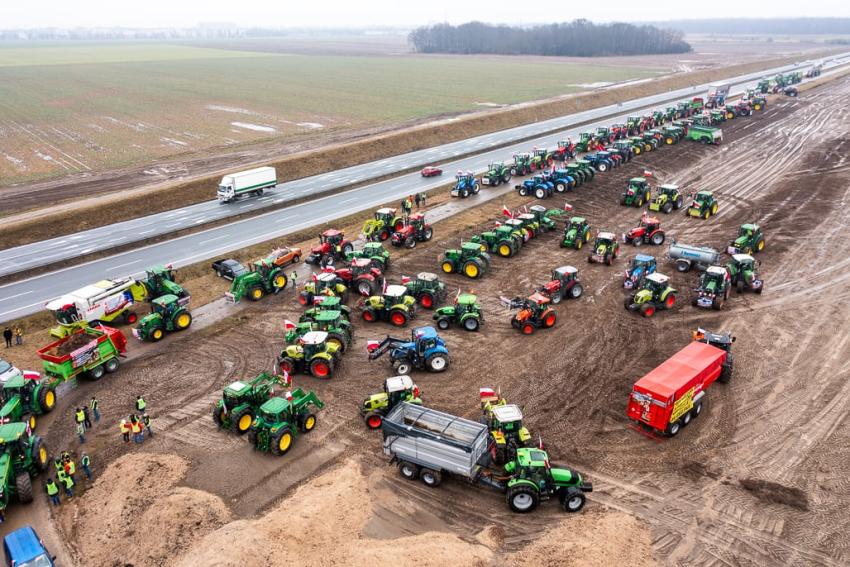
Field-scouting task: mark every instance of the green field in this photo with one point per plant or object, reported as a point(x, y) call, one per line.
point(77, 107)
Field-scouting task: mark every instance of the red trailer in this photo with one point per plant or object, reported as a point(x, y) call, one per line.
point(666, 399)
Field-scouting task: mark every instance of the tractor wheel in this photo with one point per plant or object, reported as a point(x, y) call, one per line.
point(706, 214)
point(608, 260)
point(47, 399)
point(430, 477)
point(576, 291)
point(443, 323)
point(639, 201)
point(402, 367)
point(670, 301)
point(130, 318)
point(287, 364)
point(471, 324)
point(471, 270)
point(476, 189)
point(96, 373)
point(365, 288)
point(527, 329)
point(717, 304)
point(550, 320)
point(111, 365)
point(373, 420)
point(241, 420)
point(30, 420)
point(410, 242)
point(252, 437)
point(637, 242)
point(579, 244)
point(714, 209)
point(540, 193)
point(256, 293)
point(428, 234)
point(504, 249)
point(637, 150)
point(523, 498)
point(725, 374)
point(426, 300)
point(657, 238)
point(556, 299)
point(572, 500)
point(39, 455)
point(281, 442)
point(408, 470)
point(338, 340)
point(647, 310)
point(305, 298)
point(398, 317)
point(182, 321)
point(157, 333)
point(523, 192)
point(560, 187)
point(448, 267)
point(369, 315)
point(23, 484)
point(321, 368)
point(307, 423)
point(347, 249)
point(217, 415)
point(760, 245)
point(602, 167)
point(667, 208)
point(436, 363)
point(697, 409)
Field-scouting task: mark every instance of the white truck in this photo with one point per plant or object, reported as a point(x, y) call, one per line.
point(250, 182)
point(103, 302)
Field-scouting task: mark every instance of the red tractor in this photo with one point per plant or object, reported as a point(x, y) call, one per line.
point(332, 246)
point(564, 285)
point(647, 232)
point(619, 131)
point(533, 313)
point(415, 230)
point(565, 151)
point(362, 276)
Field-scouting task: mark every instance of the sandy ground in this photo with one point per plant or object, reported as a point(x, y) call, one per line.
point(756, 480)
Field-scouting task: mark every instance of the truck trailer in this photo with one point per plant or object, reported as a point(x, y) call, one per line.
point(670, 396)
point(249, 182)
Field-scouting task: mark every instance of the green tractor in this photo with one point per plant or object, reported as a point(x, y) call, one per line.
point(24, 396)
point(22, 456)
point(396, 389)
point(637, 193)
point(312, 354)
point(503, 240)
point(672, 134)
point(576, 233)
point(581, 171)
point(168, 314)
point(522, 227)
point(667, 198)
point(542, 158)
point(160, 280)
point(427, 288)
point(713, 288)
point(533, 479)
point(326, 303)
point(743, 273)
point(655, 293)
point(586, 142)
point(280, 420)
point(545, 217)
point(531, 224)
point(522, 164)
point(325, 284)
point(374, 252)
point(606, 248)
point(749, 240)
point(465, 312)
point(703, 206)
point(395, 305)
point(471, 260)
point(264, 278)
point(332, 322)
point(385, 223)
point(240, 401)
point(497, 173)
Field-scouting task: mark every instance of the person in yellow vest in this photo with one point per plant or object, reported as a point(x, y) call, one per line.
point(69, 484)
point(125, 430)
point(80, 417)
point(140, 404)
point(52, 492)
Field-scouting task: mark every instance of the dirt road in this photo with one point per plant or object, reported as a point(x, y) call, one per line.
point(758, 479)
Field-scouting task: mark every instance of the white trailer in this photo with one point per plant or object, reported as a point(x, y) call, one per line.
point(103, 302)
point(250, 182)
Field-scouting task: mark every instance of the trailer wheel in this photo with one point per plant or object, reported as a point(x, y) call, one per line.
point(111, 365)
point(673, 429)
point(686, 419)
point(408, 470)
point(523, 499)
point(430, 477)
point(697, 409)
point(683, 265)
point(572, 500)
point(96, 373)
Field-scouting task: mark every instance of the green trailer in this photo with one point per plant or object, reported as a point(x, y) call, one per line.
point(705, 134)
point(87, 352)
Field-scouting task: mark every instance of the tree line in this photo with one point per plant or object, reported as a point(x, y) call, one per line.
point(580, 38)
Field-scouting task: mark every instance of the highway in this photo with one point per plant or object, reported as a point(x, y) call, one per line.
point(43, 253)
point(28, 296)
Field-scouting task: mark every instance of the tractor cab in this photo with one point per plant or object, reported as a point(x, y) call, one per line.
point(585, 137)
point(606, 239)
point(539, 212)
point(386, 215)
point(424, 338)
point(670, 190)
point(507, 420)
point(313, 343)
point(648, 224)
point(394, 294)
point(328, 319)
point(399, 389)
point(360, 266)
point(656, 283)
point(565, 274)
point(326, 283)
point(515, 225)
point(713, 277)
point(603, 132)
point(644, 261)
point(466, 302)
point(748, 231)
point(744, 262)
point(17, 387)
point(495, 167)
point(331, 237)
point(236, 394)
point(274, 411)
point(328, 302)
point(417, 221)
point(469, 250)
point(165, 305)
point(637, 186)
point(541, 153)
point(564, 144)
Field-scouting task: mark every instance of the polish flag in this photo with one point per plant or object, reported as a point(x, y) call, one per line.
point(315, 278)
point(288, 396)
point(287, 379)
point(507, 212)
point(568, 207)
point(327, 269)
point(288, 325)
point(647, 173)
point(405, 280)
point(372, 345)
point(486, 393)
point(498, 224)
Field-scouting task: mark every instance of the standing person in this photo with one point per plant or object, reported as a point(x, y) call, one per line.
point(59, 466)
point(125, 430)
point(138, 432)
point(69, 485)
point(417, 199)
point(80, 417)
point(87, 417)
point(19, 335)
point(70, 467)
point(141, 404)
point(52, 492)
point(81, 432)
point(294, 277)
point(93, 406)
point(85, 462)
point(7, 334)
point(422, 198)
point(146, 419)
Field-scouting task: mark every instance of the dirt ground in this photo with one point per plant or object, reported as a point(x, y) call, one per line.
point(758, 479)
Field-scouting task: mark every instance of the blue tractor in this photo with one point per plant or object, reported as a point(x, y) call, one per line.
point(562, 180)
point(538, 186)
point(465, 185)
point(599, 162)
point(424, 351)
point(641, 266)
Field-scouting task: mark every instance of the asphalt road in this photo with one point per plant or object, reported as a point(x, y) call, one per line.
point(28, 296)
point(43, 253)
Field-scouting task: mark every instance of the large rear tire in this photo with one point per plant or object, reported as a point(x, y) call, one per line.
point(436, 363)
point(24, 486)
point(241, 420)
point(281, 442)
point(523, 499)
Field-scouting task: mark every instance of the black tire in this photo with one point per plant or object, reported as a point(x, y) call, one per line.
point(667, 208)
point(725, 374)
point(347, 249)
point(683, 266)
point(673, 429)
point(556, 299)
point(560, 187)
point(408, 470)
point(275, 442)
point(216, 415)
point(686, 419)
point(428, 234)
point(443, 323)
point(402, 367)
point(252, 437)
point(657, 238)
point(37, 446)
point(410, 242)
point(24, 487)
point(111, 365)
point(697, 409)
point(237, 417)
point(576, 291)
point(572, 500)
point(472, 324)
point(523, 499)
point(430, 477)
point(365, 288)
point(42, 399)
point(307, 422)
point(97, 373)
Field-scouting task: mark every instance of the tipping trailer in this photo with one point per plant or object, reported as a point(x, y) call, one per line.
point(87, 351)
point(671, 395)
point(428, 444)
point(687, 256)
point(248, 182)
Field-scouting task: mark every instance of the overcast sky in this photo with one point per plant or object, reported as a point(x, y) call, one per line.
point(359, 13)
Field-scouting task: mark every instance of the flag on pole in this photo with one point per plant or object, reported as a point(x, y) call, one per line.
point(288, 325)
point(647, 173)
point(371, 345)
point(486, 393)
point(568, 207)
point(315, 278)
point(287, 379)
point(405, 280)
point(288, 396)
point(507, 212)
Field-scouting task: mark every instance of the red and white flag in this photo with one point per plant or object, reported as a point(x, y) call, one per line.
point(568, 207)
point(288, 325)
point(486, 393)
point(647, 173)
point(405, 280)
point(327, 269)
point(372, 345)
point(287, 379)
point(315, 278)
point(498, 224)
point(507, 212)
point(288, 395)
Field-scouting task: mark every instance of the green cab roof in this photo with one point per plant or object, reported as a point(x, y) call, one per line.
point(470, 246)
point(577, 220)
point(750, 226)
point(12, 432)
point(238, 388)
point(275, 405)
point(327, 315)
point(637, 180)
point(467, 299)
point(16, 381)
point(164, 300)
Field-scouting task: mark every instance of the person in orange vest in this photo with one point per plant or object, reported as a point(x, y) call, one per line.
point(137, 427)
point(125, 430)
